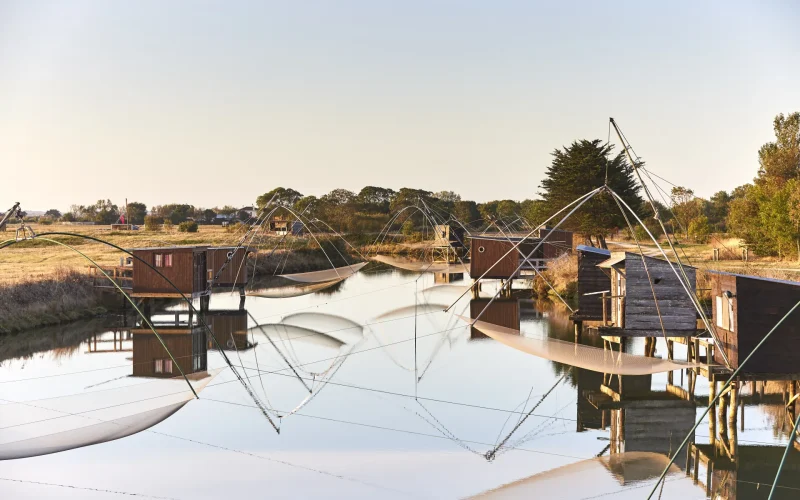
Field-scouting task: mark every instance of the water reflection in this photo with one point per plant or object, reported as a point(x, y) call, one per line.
point(412, 400)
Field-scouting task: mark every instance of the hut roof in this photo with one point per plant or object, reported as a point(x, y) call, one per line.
point(172, 248)
point(498, 237)
point(586, 248)
point(618, 257)
point(761, 278)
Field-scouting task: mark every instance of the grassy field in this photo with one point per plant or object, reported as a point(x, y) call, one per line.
point(38, 260)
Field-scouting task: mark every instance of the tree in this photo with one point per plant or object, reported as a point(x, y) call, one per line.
point(209, 216)
point(375, 199)
point(105, 212)
point(579, 168)
point(717, 209)
point(409, 196)
point(779, 161)
point(466, 212)
point(136, 212)
point(447, 196)
point(699, 228)
point(279, 195)
point(685, 206)
point(53, 214)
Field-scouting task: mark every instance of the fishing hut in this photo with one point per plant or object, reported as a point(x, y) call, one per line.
point(282, 226)
point(745, 309)
point(184, 266)
point(646, 298)
point(185, 340)
point(503, 312)
point(448, 243)
point(488, 249)
point(593, 285)
point(230, 329)
point(558, 243)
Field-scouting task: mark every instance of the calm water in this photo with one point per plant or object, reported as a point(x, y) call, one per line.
point(363, 434)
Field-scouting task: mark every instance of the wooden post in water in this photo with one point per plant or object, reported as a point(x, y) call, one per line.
point(578, 331)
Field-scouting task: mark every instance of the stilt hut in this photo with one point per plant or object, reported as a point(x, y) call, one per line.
point(230, 275)
point(185, 266)
point(592, 283)
point(634, 311)
point(745, 308)
point(150, 359)
point(282, 225)
point(448, 242)
point(501, 312)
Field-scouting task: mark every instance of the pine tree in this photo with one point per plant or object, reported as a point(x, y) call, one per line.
point(580, 168)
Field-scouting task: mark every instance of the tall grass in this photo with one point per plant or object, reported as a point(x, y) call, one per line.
point(65, 295)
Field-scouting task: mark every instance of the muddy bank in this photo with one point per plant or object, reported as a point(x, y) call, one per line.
point(63, 297)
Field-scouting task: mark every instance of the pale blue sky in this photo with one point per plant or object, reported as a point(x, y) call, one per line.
point(213, 103)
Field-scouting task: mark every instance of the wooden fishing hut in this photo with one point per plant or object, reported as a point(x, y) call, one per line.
point(503, 312)
point(593, 282)
point(488, 249)
point(745, 309)
point(230, 329)
point(557, 244)
point(283, 225)
point(631, 309)
point(185, 266)
point(448, 243)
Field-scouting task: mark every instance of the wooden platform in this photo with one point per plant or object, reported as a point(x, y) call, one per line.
point(612, 331)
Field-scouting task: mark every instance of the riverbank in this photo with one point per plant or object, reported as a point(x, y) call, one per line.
point(62, 297)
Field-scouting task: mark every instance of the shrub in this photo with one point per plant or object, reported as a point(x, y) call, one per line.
point(152, 223)
point(187, 227)
point(167, 225)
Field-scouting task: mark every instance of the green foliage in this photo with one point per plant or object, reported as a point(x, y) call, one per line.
point(467, 212)
point(167, 225)
point(282, 196)
point(408, 228)
point(699, 228)
point(188, 226)
point(53, 214)
point(373, 199)
point(580, 168)
point(686, 207)
point(152, 223)
point(208, 216)
point(136, 212)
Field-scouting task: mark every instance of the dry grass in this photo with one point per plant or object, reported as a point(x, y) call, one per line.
point(64, 295)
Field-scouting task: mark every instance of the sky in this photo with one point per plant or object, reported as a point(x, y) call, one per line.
point(214, 103)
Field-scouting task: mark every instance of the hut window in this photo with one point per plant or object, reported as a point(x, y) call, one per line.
point(167, 260)
point(158, 260)
point(481, 249)
point(725, 313)
point(163, 366)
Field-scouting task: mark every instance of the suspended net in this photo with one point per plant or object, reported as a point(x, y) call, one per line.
point(421, 266)
point(41, 427)
point(582, 356)
point(621, 475)
point(285, 292)
point(337, 273)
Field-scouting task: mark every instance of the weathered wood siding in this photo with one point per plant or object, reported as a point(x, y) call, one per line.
point(676, 307)
point(486, 252)
point(181, 273)
point(656, 426)
point(502, 312)
point(591, 279)
point(188, 349)
point(235, 273)
point(559, 243)
point(758, 306)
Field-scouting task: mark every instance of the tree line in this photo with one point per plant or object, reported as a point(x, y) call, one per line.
point(765, 214)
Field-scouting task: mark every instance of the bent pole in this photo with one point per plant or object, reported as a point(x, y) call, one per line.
point(527, 257)
point(719, 394)
point(516, 245)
